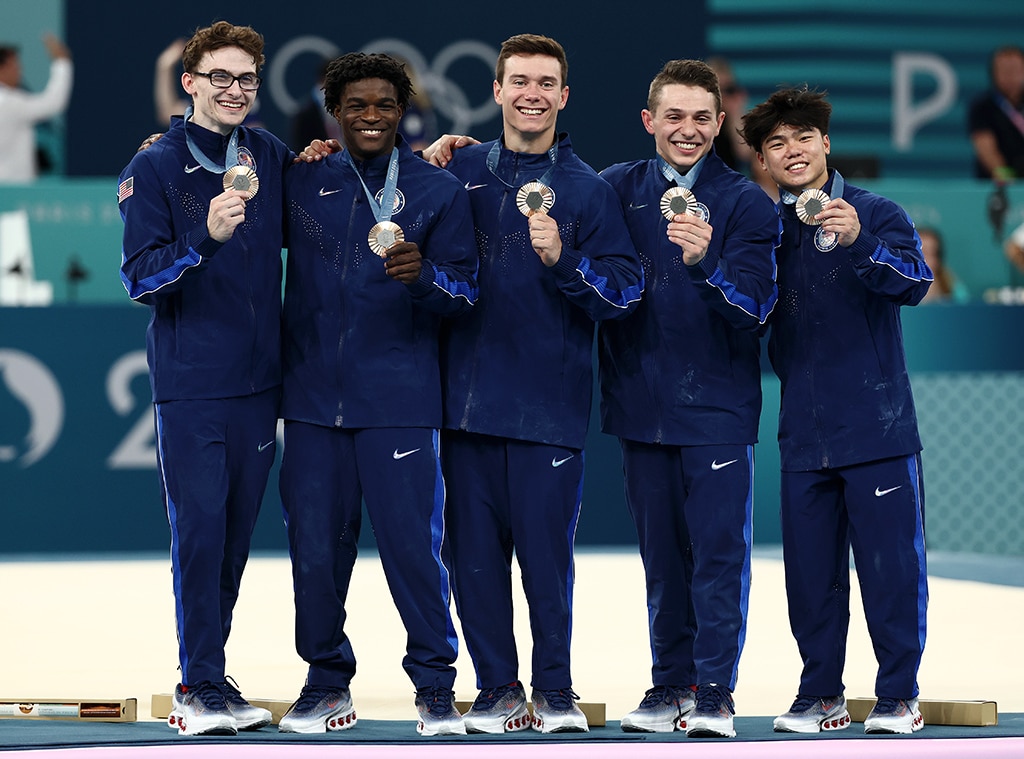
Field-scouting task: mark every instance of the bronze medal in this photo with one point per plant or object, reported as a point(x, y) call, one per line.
point(534, 197)
point(243, 179)
point(679, 200)
point(810, 204)
point(383, 235)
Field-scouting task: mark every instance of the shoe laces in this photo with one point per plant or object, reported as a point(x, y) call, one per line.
point(663, 694)
point(208, 694)
point(804, 703)
point(712, 697)
point(490, 696)
point(438, 699)
point(887, 705)
point(561, 699)
point(312, 695)
point(232, 693)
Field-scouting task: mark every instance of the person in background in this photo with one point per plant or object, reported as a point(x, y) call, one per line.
point(729, 145)
point(848, 436)
point(167, 92)
point(681, 389)
point(312, 121)
point(21, 111)
point(419, 124)
point(203, 232)
point(996, 119)
point(1014, 248)
point(946, 288)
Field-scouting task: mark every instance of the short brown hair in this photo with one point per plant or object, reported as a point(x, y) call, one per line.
point(219, 35)
point(531, 44)
point(691, 73)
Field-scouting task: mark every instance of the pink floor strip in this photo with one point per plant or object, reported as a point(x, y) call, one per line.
point(901, 748)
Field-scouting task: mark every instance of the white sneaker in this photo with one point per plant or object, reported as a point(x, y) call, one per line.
point(555, 711)
point(712, 716)
point(664, 709)
point(247, 716)
point(438, 715)
point(202, 710)
point(499, 710)
point(319, 709)
point(810, 714)
point(894, 715)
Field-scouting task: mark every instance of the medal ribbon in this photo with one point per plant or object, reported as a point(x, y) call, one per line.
point(687, 180)
point(495, 152)
point(383, 211)
point(230, 158)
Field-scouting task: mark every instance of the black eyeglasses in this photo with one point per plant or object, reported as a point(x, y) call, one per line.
point(222, 80)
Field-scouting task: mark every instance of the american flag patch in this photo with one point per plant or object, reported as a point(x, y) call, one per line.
point(124, 190)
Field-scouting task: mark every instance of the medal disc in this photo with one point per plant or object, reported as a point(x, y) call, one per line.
point(810, 204)
point(534, 197)
point(383, 235)
point(677, 200)
point(242, 178)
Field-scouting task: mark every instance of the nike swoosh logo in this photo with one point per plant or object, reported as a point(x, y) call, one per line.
point(324, 192)
point(635, 207)
point(715, 466)
point(879, 493)
point(396, 455)
point(555, 462)
point(263, 446)
point(190, 169)
point(474, 187)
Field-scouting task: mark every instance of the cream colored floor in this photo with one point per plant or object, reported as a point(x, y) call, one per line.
point(100, 629)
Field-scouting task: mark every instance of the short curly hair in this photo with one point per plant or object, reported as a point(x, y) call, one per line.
point(354, 67)
point(219, 35)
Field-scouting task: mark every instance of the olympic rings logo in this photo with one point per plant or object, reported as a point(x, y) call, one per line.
point(446, 95)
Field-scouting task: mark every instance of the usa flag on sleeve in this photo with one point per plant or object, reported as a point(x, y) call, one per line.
point(124, 190)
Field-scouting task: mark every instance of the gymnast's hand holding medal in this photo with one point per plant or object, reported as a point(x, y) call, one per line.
point(534, 200)
point(402, 259)
point(687, 226)
point(834, 215)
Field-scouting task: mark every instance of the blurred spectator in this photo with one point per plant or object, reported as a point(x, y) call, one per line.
point(21, 110)
point(312, 121)
point(996, 120)
point(729, 146)
point(946, 288)
point(168, 95)
point(419, 124)
point(1014, 248)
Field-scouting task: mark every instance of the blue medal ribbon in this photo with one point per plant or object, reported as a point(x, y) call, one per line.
point(687, 180)
point(383, 211)
point(230, 158)
point(495, 152)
